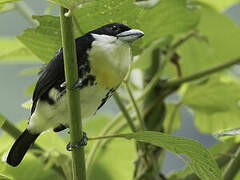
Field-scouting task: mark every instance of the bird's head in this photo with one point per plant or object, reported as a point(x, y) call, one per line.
point(120, 31)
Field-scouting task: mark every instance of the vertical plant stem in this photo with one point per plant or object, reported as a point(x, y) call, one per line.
point(233, 166)
point(26, 12)
point(71, 76)
point(141, 121)
point(125, 112)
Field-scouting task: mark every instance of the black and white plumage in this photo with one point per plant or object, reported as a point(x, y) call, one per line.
point(103, 58)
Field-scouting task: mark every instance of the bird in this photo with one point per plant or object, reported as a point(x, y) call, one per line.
point(103, 60)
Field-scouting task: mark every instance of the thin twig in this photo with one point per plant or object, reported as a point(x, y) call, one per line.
point(233, 166)
point(105, 131)
point(141, 121)
point(192, 77)
point(26, 12)
point(125, 112)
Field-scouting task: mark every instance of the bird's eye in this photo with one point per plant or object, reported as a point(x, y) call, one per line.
point(114, 28)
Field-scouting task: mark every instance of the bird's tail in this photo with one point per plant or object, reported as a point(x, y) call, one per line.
point(20, 147)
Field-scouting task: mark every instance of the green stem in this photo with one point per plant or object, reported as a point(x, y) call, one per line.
point(105, 131)
point(233, 166)
point(26, 12)
point(71, 74)
point(125, 112)
point(172, 117)
point(141, 121)
point(106, 137)
point(178, 82)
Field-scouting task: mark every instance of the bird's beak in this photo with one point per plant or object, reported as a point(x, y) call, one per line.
point(130, 35)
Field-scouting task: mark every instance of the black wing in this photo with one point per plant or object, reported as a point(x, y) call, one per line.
point(53, 74)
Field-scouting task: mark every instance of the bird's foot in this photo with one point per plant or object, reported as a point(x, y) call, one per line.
point(78, 84)
point(83, 142)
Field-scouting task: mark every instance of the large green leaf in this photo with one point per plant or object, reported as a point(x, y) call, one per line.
point(7, 1)
point(45, 40)
point(31, 164)
point(123, 153)
point(3, 177)
point(143, 61)
point(215, 104)
point(12, 51)
point(199, 159)
point(97, 13)
point(166, 18)
point(70, 4)
point(220, 5)
point(224, 39)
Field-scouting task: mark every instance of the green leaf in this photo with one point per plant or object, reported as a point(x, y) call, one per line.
point(97, 13)
point(219, 5)
point(199, 159)
point(215, 103)
point(27, 104)
point(223, 41)
point(6, 7)
point(144, 59)
point(45, 40)
point(7, 1)
point(30, 89)
point(12, 51)
point(123, 153)
point(31, 164)
point(4, 177)
point(70, 4)
point(166, 18)
point(2, 119)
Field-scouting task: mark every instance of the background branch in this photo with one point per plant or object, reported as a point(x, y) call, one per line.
point(192, 77)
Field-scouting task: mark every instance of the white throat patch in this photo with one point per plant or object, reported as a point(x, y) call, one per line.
point(109, 59)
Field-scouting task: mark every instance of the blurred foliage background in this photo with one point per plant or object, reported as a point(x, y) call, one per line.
point(17, 77)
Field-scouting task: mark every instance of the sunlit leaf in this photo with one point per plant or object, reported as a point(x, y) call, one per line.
point(223, 41)
point(219, 5)
point(7, 1)
point(27, 104)
point(6, 7)
point(29, 90)
point(4, 177)
point(70, 4)
point(123, 153)
point(215, 104)
point(12, 51)
point(199, 159)
point(144, 59)
point(166, 18)
point(97, 13)
point(45, 40)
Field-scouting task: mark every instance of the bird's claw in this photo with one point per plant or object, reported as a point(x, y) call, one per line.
point(83, 142)
point(78, 84)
